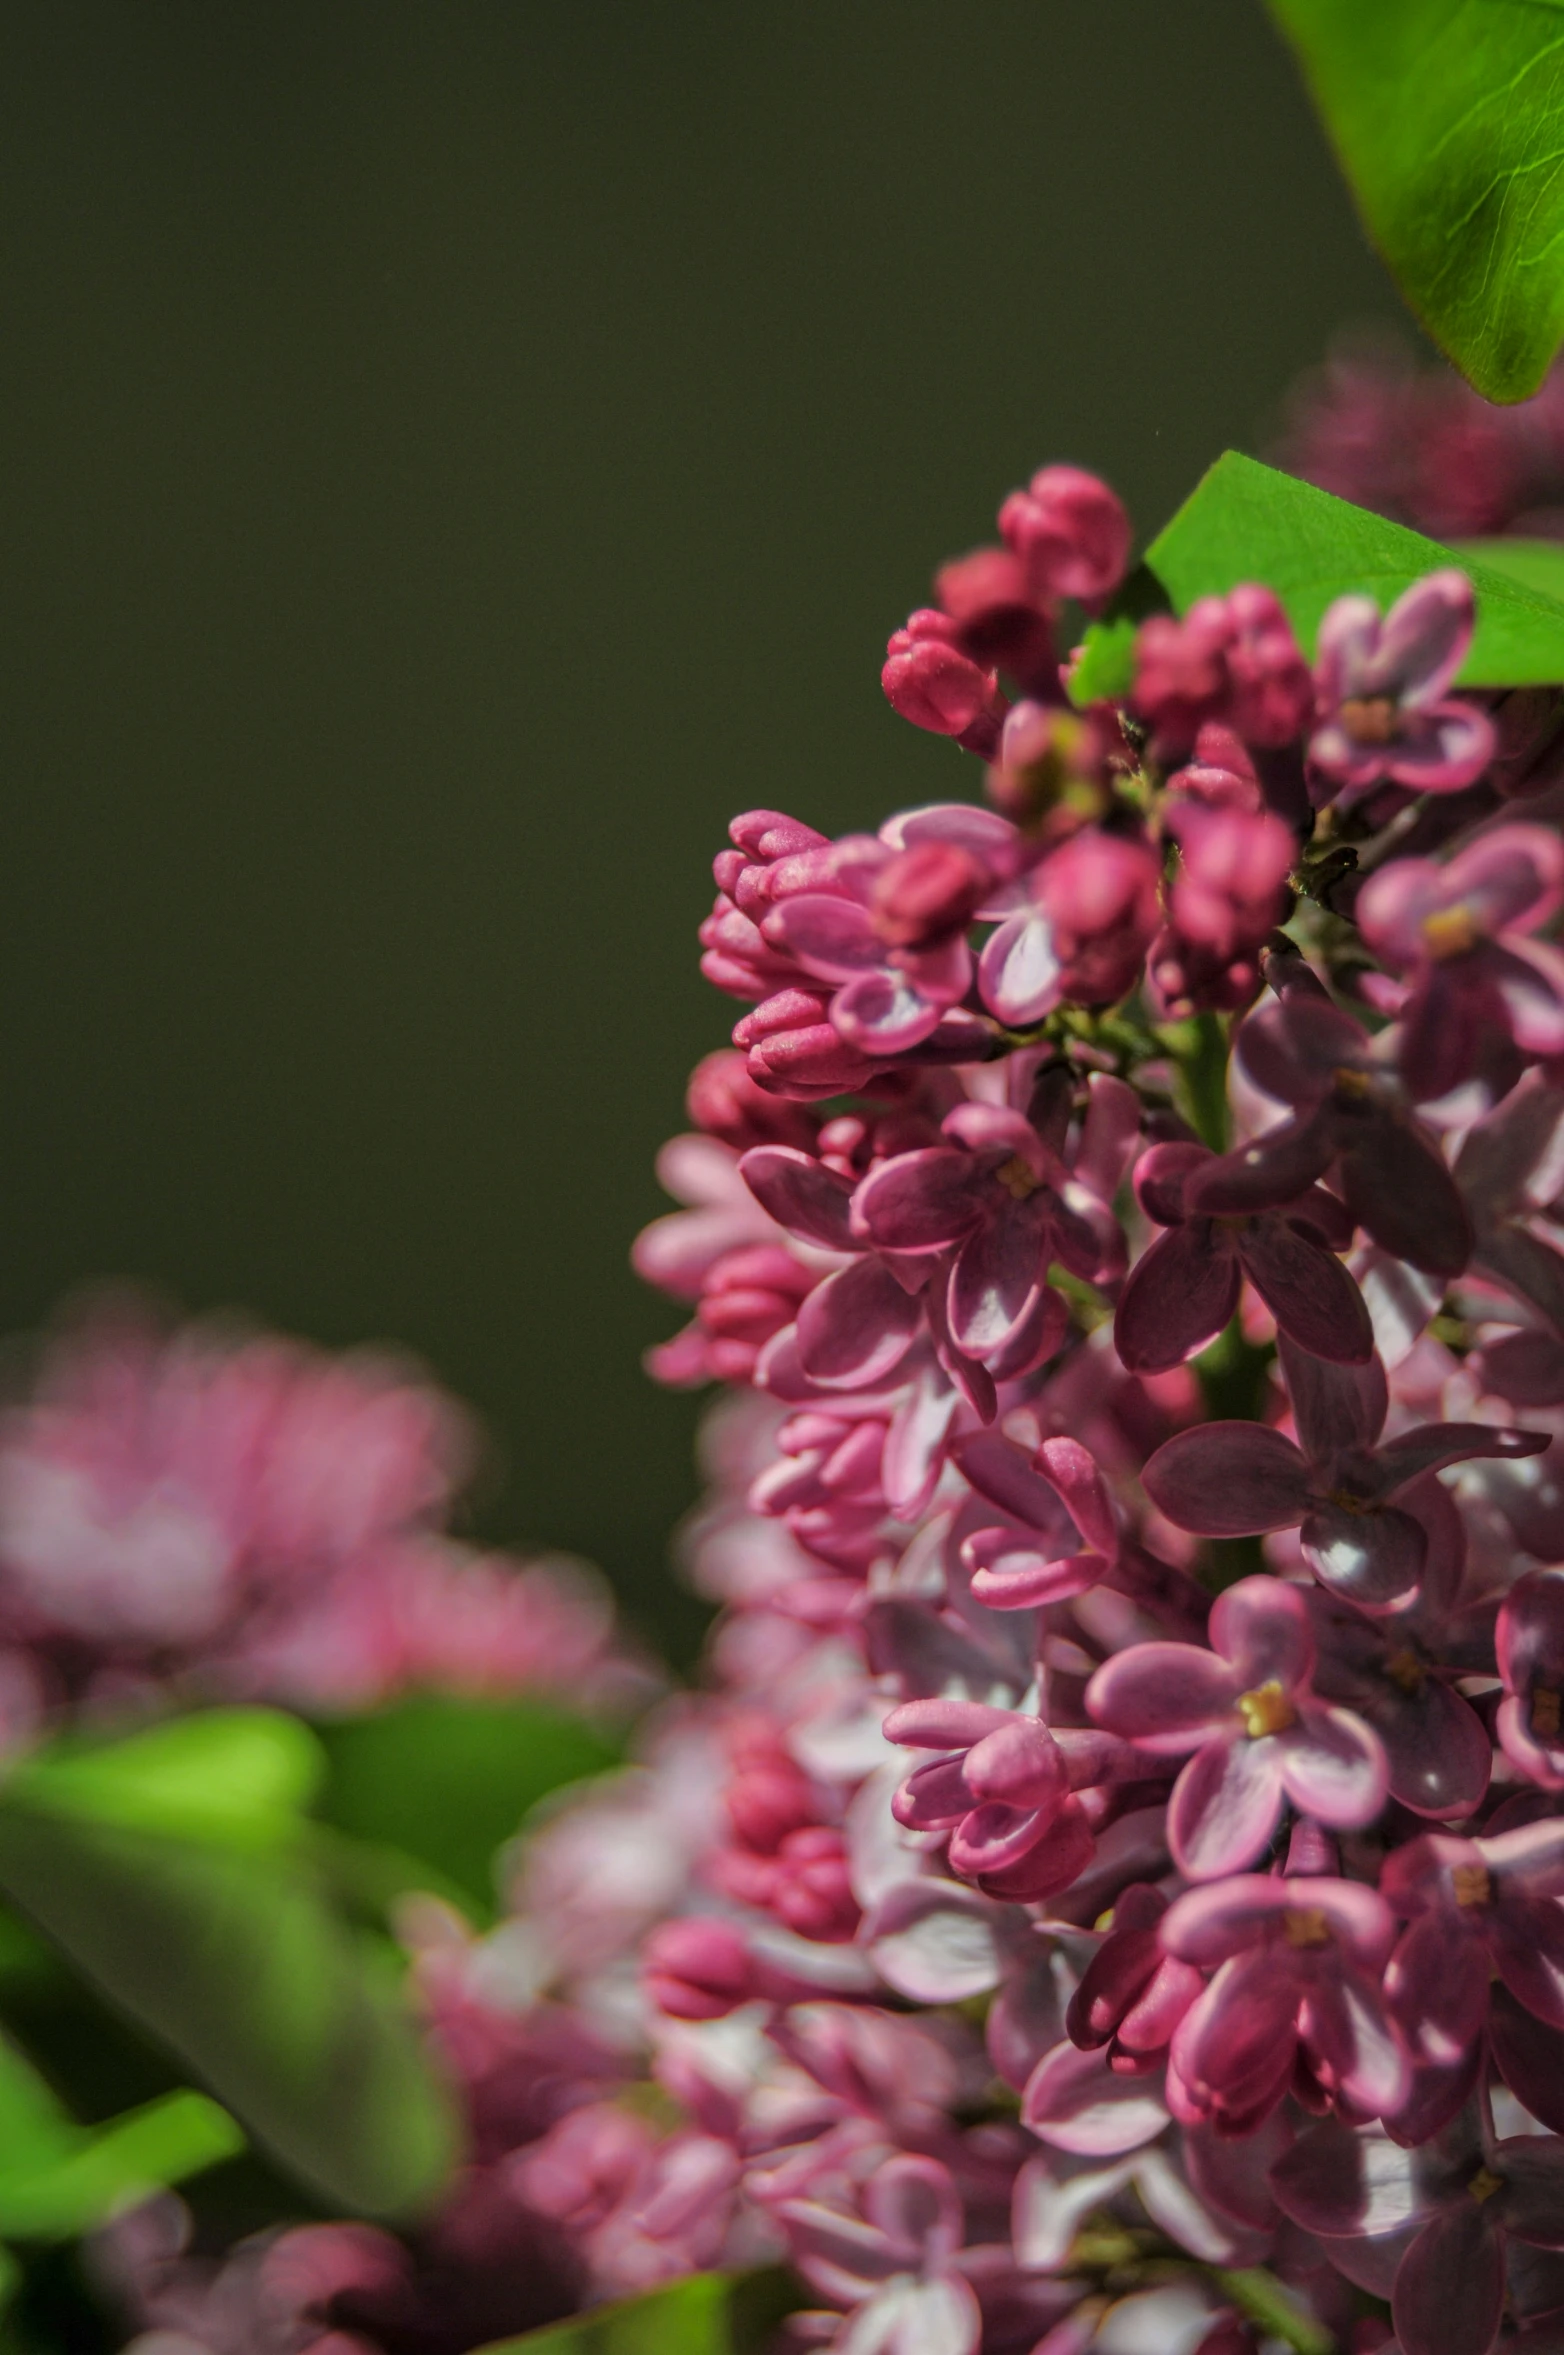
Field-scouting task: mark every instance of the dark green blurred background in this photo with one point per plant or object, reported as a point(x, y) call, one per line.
point(451, 457)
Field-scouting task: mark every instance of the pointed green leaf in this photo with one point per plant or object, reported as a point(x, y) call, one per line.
point(1447, 117)
point(238, 1961)
point(1248, 522)
point(1539, 563)
point(704, 2314)
point(1102, 669)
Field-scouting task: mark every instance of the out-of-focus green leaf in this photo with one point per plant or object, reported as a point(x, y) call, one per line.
point(1447, 117)
point(1102, 669)
point(238, 1776)
point(1539, 563)
point(59, 2178)
point(115, 2167)
point(1248, 522)
point(239, 1962)
point(705, 2314)
point(448, 1781)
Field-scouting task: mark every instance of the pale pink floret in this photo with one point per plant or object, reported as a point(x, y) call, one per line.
point(1247, 1711)
point(1298, 1963)
point(891, 2265)
point(1075, 931)
point(1459, 935)
point(1383, 709)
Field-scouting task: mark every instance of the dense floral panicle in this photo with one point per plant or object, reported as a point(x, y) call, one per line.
point(1057, 1921)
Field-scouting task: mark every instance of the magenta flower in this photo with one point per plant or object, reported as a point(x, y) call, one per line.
point(892, 2267)
point(1001, 1201)
point(1228, 892)
point(1298, 1963)
point(1475, 1910)
point(1458, 934)
point(1260, 1739)
point(891, 935)
point(1382, 705)
point(1336, 1487)
point(1183, 1290)
point(1451, 2206)
point(1059, 1499)
point(1003, 1786)
point(1070, 532)
point(736, 958)
point(932, 681)
point(1348, 1114)
point(858, 1324)
point(1132, 1994)
point(1530, 1642)
point(1398, 1673)
point(1077, 931)
point(1231, 659)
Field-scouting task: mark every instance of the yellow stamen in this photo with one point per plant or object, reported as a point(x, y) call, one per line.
point(1305, 1925)
point(1370, 719)
point(1266, 1710)
point(1406, 1669)
point(1017, 1178)
point(1449, 932)
point(1471, 1885)
point(1484, 2184)
point(1544, 1712)
point(1349, 1082)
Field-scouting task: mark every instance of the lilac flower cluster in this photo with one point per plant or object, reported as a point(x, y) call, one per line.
point(203, 1513)
point(1127, 1222)
point(1108, 1892)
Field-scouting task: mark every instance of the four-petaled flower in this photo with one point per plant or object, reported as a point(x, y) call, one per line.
point(1298, 1961)
point(1443, 2214)
point(1259, 1736)
point(1459, 935)
point(1381, 682)
point(893, 2267)
point(1182, 1290)
point(1336, 1487)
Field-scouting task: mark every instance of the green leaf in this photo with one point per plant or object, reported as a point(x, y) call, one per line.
point(705, 2314)
point(238, 1776)
point(59, 2178)
point(447, 1781)
point(1447, 117)
point(238, 1961)
point(1248, 522)
point(1539, 563)
point(1102, 668)
point(116, 2166)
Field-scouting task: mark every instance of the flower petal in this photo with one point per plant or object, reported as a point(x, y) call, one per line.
point(830, 937)
point(1020, 976)
point(998, 1274)
point(922, 1201)
point(1333, 1767)
point(884, 1013)
point(1449, 2293)
point(1225, 1807)
point(1165, 1698)
point(1228, 1480)
point(856, 1326)
point(1178, 1296)
point(1076, 2102)
point(801, 1194)
point(1308, 1291)
point(1370, 1555)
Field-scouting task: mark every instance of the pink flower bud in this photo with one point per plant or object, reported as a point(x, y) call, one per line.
point(1071, 534)
point(697, 1968)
